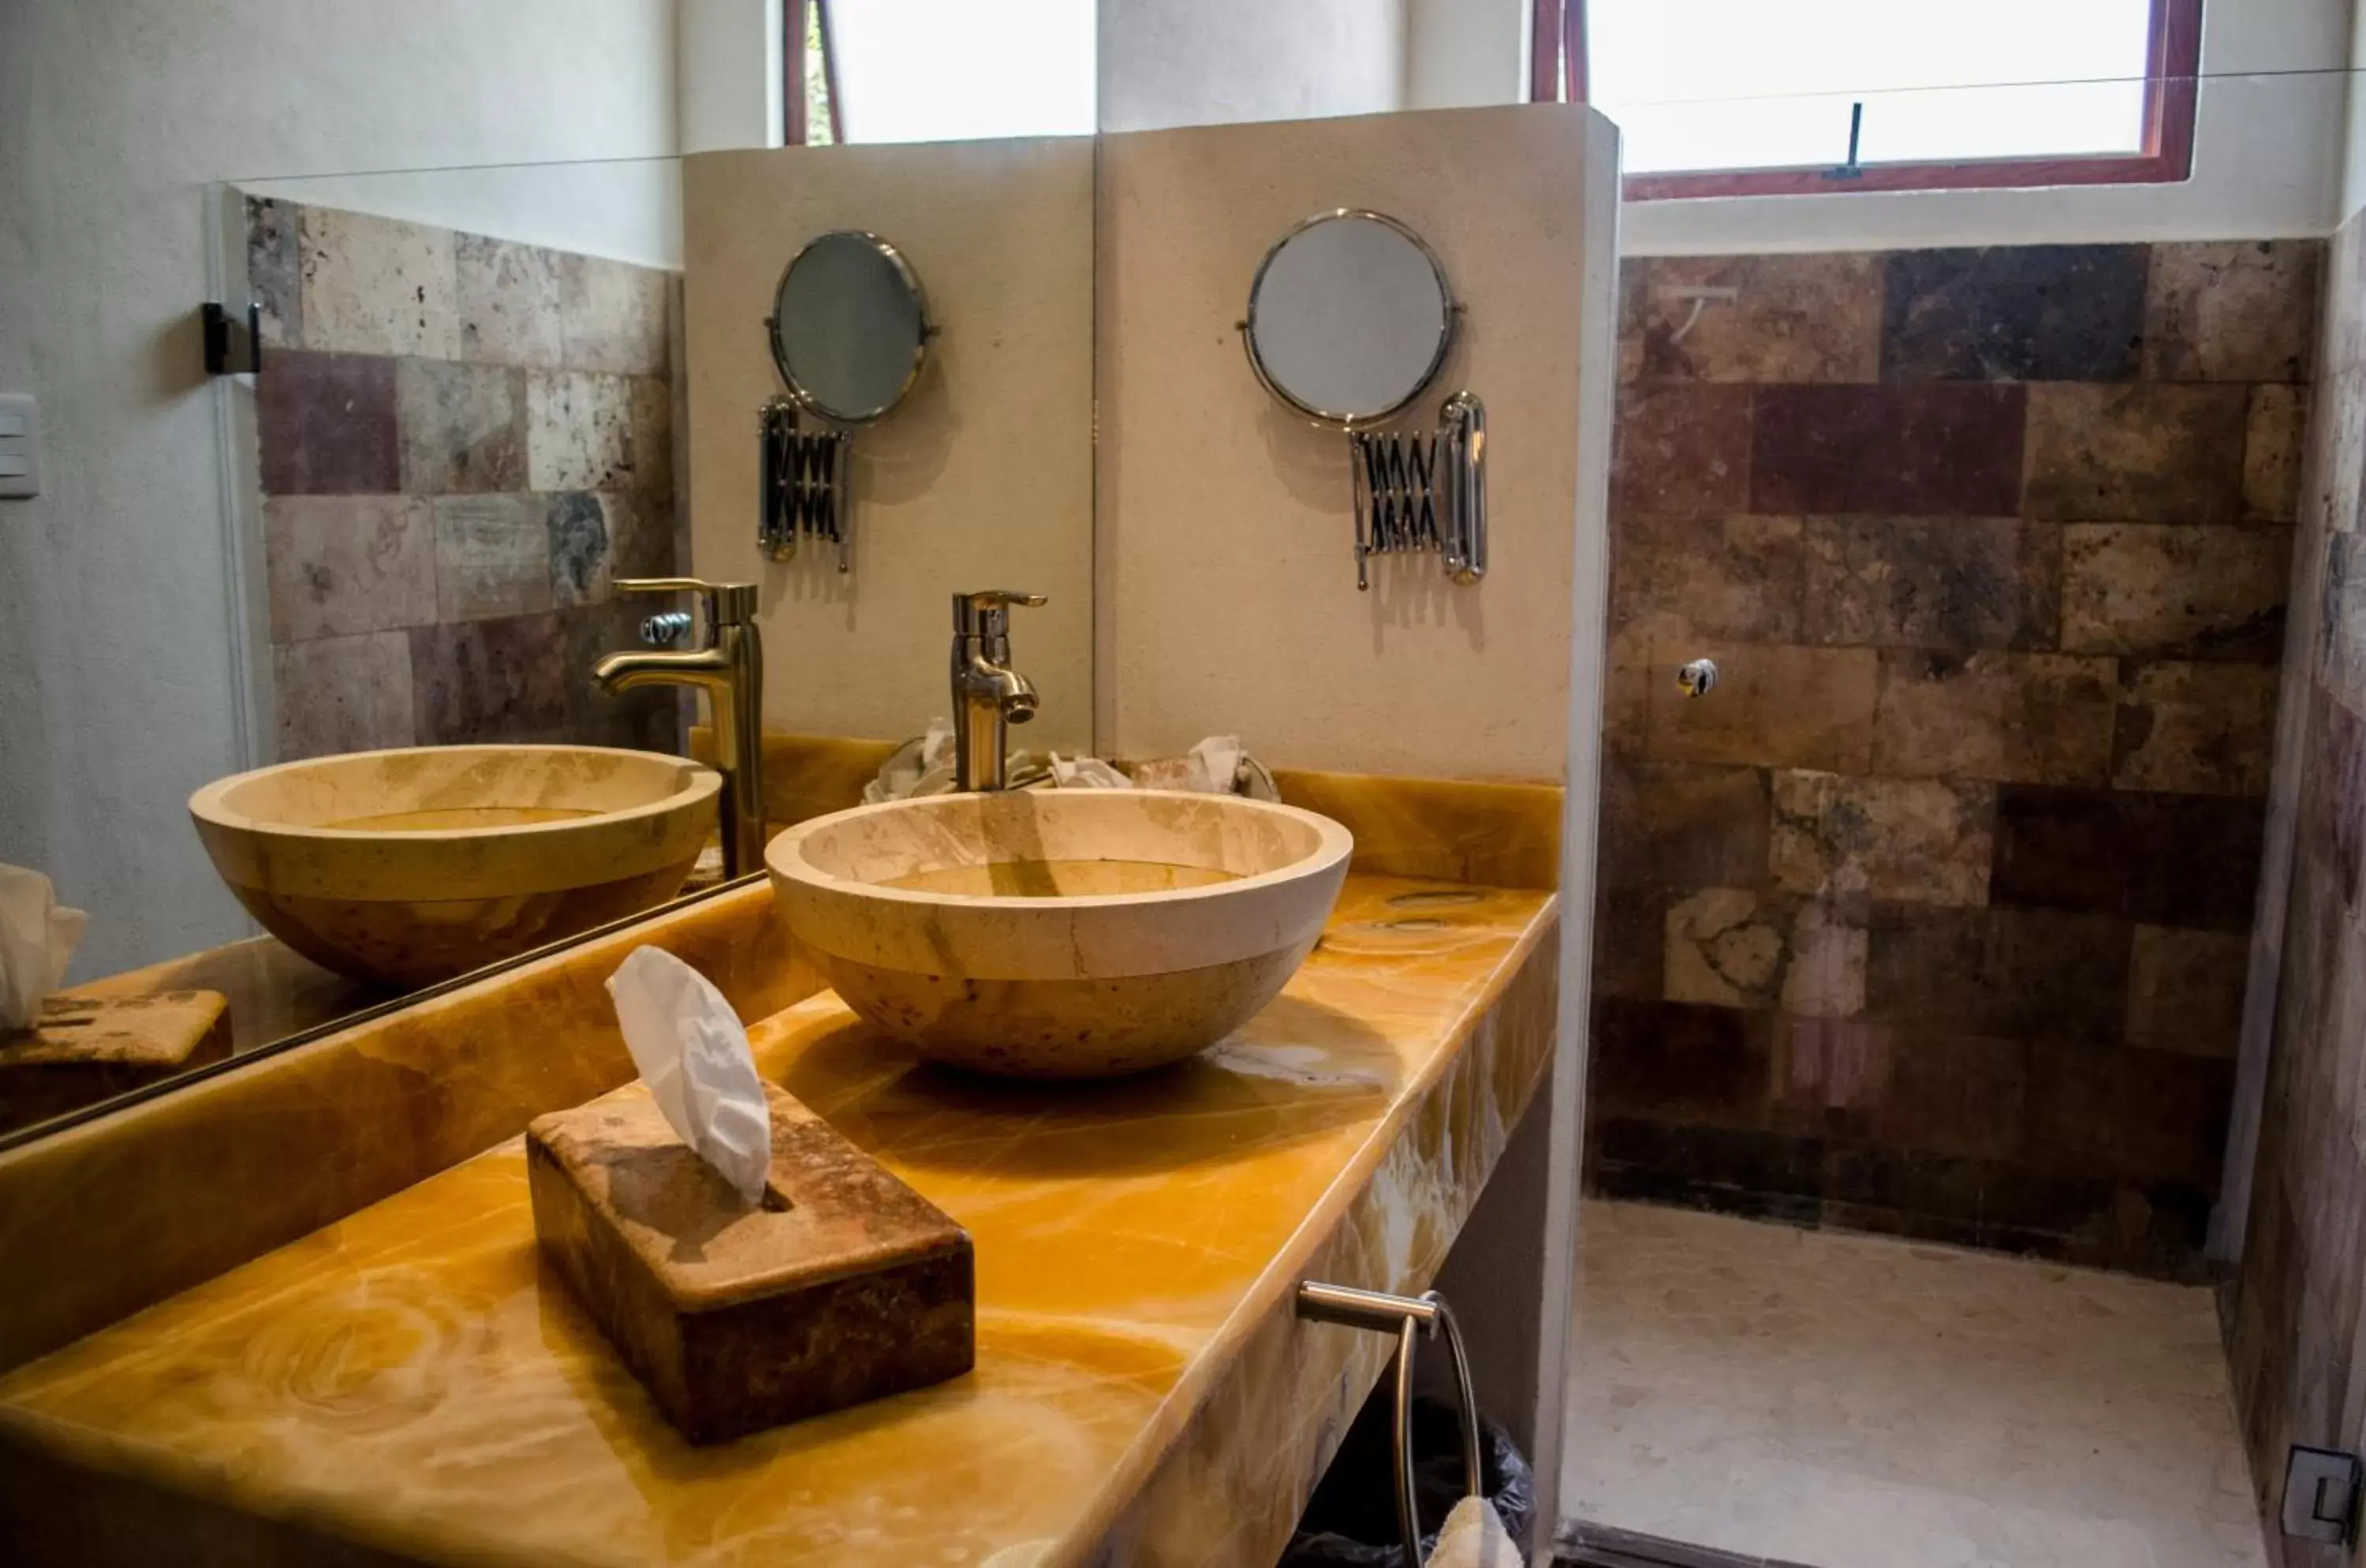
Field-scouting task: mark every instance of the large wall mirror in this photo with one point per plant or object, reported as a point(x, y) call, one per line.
point(499, 558)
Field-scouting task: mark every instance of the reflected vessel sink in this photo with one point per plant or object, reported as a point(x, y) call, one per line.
point(402, 868)
point(1059, 933)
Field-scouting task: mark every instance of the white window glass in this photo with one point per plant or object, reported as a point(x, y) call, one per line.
point(957, 70)
point(1769, 83)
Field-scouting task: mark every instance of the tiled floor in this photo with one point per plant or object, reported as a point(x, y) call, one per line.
point(1853, 1402)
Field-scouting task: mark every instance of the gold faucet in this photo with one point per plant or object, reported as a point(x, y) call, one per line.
point(730, 670)
point(987, 693)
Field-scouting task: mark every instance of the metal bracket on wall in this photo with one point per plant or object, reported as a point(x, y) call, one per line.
point(2321, 1495)
point(233, 347)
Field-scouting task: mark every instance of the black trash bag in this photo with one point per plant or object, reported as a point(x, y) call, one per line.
point(1351, 1520)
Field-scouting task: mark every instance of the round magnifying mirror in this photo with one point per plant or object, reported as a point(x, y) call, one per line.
point(849, 327)
point(1349, 317)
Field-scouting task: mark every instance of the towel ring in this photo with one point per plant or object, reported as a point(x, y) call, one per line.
point(1411, 1319)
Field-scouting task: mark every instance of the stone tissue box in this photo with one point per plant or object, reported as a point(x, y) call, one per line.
point(844, 1286)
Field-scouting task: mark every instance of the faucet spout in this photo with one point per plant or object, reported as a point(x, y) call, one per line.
point(730, 670)
point(988, 695)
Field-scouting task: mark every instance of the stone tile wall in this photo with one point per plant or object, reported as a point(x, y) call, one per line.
point(1931, 919)
point(464, 441)
point(2294, 1308)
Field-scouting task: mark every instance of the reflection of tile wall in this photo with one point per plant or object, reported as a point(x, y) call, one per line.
point(2297, 1298)
point(1932, 918)
point(464, 440)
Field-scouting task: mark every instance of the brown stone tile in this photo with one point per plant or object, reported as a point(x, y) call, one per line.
point(2175, 590)
point(612, 316)
point(2199, 728)
point(376, 285)
point(1682, 449)
point(1920, 841)
point(651, 427)
point(2232, 311)
point(2145, 1115)
point(1730, 1170)
point(341, 565)
point(2034, 717)
point(1774, 707)
point(1917, 450)
point(2140, 452)
point(2275, 439)
point(1936, 582)
point(642, 541)
point(578, 544)
point(463, 426)
point(2169, 860)
point(509, 303)
point(2341, 629)
point(1719, 577)
point(325, 424)
point(498, 680)
point(1956, 1094)
point(343, 694)
point(579, 433)
point(1668, 1060)
point(1681, 825)
point(1792, 318)
point(645, 719)
point(2185, 990)
point(2019, 973)
point(1830, 1073)
point(1627, 691)
point(492, 556)
point(1629, 940)
point(275, 261)
point(2331, 815)
point(2013, 313)
point(1733, 947)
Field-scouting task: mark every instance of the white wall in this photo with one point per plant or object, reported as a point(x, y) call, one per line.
point(729, 52)
point(2268, 160)
point(1466, 53)
point(114, 601)
point(2353, 158)
point(1171, 62)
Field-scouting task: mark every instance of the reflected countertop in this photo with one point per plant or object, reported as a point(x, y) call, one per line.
point(410, 1380)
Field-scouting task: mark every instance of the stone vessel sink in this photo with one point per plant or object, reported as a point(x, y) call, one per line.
point(1059, 933)
point(402, 868)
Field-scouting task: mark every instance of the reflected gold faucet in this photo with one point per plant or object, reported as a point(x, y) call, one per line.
point(987, 694)
point(730, 670)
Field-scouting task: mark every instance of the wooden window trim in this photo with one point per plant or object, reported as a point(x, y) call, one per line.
point(793, 16)
point(1558, 74)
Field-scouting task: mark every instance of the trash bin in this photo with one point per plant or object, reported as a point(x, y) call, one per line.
point(1351, 1520)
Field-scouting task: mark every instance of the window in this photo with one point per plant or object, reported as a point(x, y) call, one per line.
point(939, 70)
point(1751, 97)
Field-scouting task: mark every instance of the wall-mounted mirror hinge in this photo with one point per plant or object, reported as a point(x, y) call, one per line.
point(233, 345)
point(2321, 1495)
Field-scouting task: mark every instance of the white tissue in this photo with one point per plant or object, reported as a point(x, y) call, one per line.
point(1474, 1537)
point(1212, 767)
point(1086, 772)
point(38, 937)
point(692, 1053)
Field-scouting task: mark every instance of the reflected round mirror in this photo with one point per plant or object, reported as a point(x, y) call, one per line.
point(1349, 317)
point(849, 327)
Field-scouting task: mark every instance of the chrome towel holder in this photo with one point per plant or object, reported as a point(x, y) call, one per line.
point(1411, 1319)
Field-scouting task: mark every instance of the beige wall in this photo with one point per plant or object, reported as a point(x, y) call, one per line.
point(1228, 587)
point(982, 479)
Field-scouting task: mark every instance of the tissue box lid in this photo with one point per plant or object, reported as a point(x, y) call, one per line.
point(845, 1214)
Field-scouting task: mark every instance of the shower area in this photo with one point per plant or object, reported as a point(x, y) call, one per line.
point(1921, 939)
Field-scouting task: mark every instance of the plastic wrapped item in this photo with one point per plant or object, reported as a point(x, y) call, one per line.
point(1351, 1520)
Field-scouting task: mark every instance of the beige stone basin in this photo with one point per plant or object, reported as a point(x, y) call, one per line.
point(402, 868)
point(1059, 933)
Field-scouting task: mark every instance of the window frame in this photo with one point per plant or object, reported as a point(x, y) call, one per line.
point(795, 15)
point(1558, 74)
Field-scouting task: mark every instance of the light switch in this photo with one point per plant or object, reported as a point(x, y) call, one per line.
point(20, 446)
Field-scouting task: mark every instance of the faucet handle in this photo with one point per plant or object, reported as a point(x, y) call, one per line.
point(986, 612)
point(724, 603)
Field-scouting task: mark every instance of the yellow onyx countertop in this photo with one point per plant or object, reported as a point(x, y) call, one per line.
point(409, 1384)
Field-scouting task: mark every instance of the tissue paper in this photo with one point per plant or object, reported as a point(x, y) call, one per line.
point(692, 1053)
point(38, 937)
